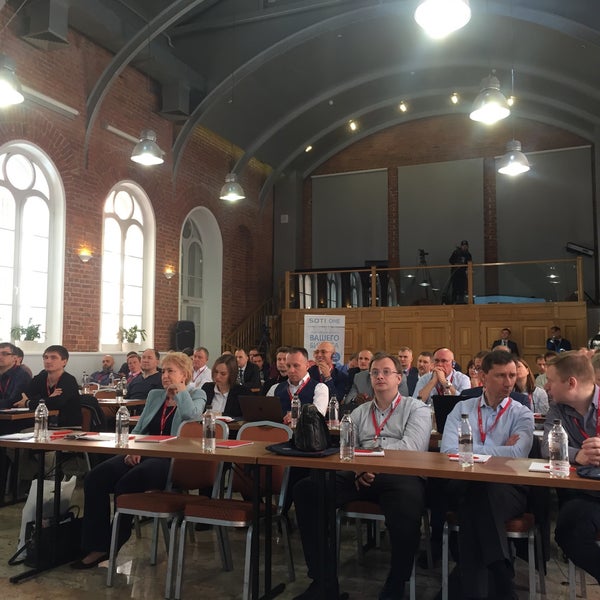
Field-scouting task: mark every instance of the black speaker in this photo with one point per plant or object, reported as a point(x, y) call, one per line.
point(185, 335)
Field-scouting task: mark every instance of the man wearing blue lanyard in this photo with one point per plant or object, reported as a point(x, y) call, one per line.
point(389, 421)
point(570, 381)
point(501, 427)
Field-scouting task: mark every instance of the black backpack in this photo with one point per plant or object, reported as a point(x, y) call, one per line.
point(311, 433)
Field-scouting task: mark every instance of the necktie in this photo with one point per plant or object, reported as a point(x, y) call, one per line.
point(241, 375)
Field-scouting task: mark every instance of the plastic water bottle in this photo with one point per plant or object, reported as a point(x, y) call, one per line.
point(111, 380)
point(295, 411)
point(433, 420)
point(333, 412)
point(122, 427)
point(465, 442)
point(85, 383)
point(119, 392)
point(558, 449)
point(209, 432)
point(124, 386)
point(40, 429)
point(346, 438)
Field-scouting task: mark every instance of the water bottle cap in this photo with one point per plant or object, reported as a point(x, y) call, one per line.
point(556, 422)
point(464, 416)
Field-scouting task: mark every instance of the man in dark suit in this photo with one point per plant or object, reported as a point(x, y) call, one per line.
point(409, 373)
point(505, 341)
point(248, 373)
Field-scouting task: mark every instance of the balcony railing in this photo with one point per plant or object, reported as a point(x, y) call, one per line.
point(515, 282)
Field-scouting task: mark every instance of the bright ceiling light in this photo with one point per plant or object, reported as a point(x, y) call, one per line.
point(454, 98)
point(352, 125)
point(511, 100)
point(232, 190)
point(403, 107)
point(147, 152)
point(308, 148)
point(490, 106)
point(10, 87)
point(514, 162)
point(439, 18)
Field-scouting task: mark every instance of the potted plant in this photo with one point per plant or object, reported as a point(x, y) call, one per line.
point(26, 336)
point(129, 338)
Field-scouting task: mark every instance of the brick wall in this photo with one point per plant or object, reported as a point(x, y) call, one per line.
point(68, 75)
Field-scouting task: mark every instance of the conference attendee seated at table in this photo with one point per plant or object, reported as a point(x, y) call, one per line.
point(13, 379)
point(326, 372)
point(202, 372)
point(410, 374)
point(575, 397)
point(596, 366)
point(58, 388)
point(149, 379)
point(125, 370)
point(443, 379)
point(223, 392)
point(363, 360)
point(263, 366)
point(163, 413)
point(506, 342)
point(537, 397)
point(391, 422)
point(20, 359)
point(361, 389)
point(103, 377)
point(299, 382)
point(248, 374)
point(424, 363)
point(556, 342)
point(134, 367)
point(501, 427)
point(281, 370)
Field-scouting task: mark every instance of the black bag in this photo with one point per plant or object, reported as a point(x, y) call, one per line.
point(57, 546)
point(588, 471)
point(311, 433)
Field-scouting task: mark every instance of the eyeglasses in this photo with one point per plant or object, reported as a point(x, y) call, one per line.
point(384, 372)
point(7, 353)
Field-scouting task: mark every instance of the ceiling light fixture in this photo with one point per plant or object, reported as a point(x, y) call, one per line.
point(490, 106)
point(10, 87)
point(454, 98)
point(352, 125)
point(232, 190)
point(514, 162)
point(308, 148)
point(510, 100)
point(147, 152)
point(403, 107)
point(438, 18)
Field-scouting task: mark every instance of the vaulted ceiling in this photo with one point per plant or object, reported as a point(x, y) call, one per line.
point(275, 76)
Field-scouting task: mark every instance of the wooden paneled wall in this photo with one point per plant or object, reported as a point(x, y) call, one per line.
point(465, 329)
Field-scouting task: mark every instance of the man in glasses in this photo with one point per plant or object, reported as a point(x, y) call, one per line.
point(326, 372)
point(443, 380)
point(390, 421)
point(13, 379)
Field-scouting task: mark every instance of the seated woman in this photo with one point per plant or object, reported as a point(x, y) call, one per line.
point(163, 413)
point(222, 393)
point(538, 398)
point(473, 374)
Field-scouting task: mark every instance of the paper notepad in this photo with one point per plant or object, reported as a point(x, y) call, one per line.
point(154, 439)
point(543, 467)
point(232, 443)
point(478, 458)
point(366, 452)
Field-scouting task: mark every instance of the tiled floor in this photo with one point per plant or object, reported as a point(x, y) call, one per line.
point(205, 579)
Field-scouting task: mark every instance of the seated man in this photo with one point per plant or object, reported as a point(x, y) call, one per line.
point(392, 422)
point(361, 389)
point(299, 382)
point(58, 388)
point(13, 379)
point(326, 372)
point(501, 427)
point(576, 397)
point(506, 342)
point(103, 376)
point(281, 369)
point(443, 379)
point(410, 374)
point(248, 373)
point(149, 379)
point(202, 373)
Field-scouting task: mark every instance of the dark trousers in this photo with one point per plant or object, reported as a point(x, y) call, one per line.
point(401, 499)
point(484, 555)
point(577, 528)
point(113, 476)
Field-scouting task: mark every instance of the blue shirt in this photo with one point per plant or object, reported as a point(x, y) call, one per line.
point(517, 419)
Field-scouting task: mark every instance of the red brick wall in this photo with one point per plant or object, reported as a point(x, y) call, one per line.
point(68, 75)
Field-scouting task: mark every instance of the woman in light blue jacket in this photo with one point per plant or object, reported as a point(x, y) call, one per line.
point(163, 413)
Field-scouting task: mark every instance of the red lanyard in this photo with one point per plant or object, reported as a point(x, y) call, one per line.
point(198, 374)
point(482, 433)
point(165, 416)
point(581, 430)
point(530, 396)
point(440, 389)
point(378, 428)
point(298, 390)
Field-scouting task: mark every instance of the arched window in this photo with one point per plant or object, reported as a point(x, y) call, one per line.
point(355, 290)
point(305, 286)
point(333, 290)
point(32, 238)
point(392, 294)
point(127, 264)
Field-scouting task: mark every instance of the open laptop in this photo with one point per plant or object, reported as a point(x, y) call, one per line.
point(261, 408)
point(442, 406)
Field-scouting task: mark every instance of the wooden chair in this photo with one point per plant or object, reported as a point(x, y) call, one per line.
point(522, 527)
point(164, 506)
point(573, 578)
point(229, 512)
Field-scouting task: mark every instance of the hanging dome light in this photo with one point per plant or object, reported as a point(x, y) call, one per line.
point(232, 190)
point(10, 87)
point(147, 152)
point(490, 106)
point(438, 18)
point(514, 162)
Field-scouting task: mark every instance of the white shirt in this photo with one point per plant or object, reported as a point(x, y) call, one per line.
point(219, 401)
point(200, 377)
point(459, 382)
point(320, 396)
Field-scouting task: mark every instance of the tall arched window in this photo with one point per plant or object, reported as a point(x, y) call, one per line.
point(333, 290)
point(127, 264)
point(305, 287)
point(355, 290)
point(32, 238)
point(192, 275)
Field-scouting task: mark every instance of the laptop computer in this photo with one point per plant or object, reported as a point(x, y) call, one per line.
point(442, 407)
point(261, 408)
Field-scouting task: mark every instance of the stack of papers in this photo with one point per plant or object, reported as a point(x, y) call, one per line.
point(478, 458)
point(17, 436)
point(368, 452)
